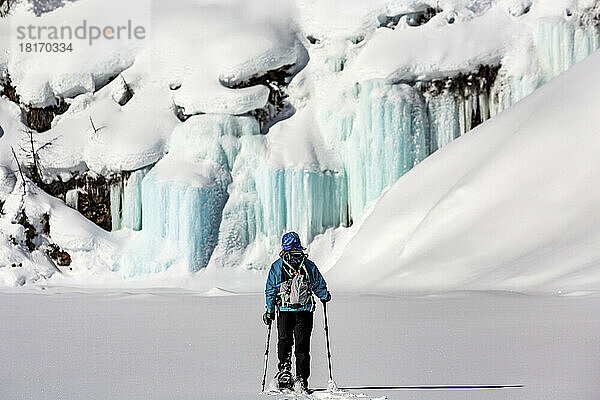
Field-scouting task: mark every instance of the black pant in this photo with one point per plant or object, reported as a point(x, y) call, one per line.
point(295, 326)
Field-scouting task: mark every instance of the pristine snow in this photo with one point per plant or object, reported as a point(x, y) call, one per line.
point(512, 205)
point(436, 48)
point(75, 144)
point(141, 344)
point(226, 48)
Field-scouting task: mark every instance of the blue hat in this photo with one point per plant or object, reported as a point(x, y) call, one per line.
point(291, 240)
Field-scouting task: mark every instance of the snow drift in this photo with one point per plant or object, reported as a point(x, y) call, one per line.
point(512, 205)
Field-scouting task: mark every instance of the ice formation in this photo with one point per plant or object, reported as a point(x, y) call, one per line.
point(72, 199)
point(183, 196)
point(306, 201)
point(557, 46)
point(389, 136)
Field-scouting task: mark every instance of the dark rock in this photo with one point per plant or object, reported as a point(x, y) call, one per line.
point(30, 232)
point(61, 257)
point(94, 200)
point(416, 18)
point(312, 39)
point(36, 118)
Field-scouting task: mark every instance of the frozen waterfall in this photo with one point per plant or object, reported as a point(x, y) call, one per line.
point(215, 193)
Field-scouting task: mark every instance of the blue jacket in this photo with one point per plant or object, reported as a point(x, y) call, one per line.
point(319, 287)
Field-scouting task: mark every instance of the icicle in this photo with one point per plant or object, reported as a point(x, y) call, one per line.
point(132, 200)
point(72, 198)
point(444, 121)
point(335, 64)
point(116, 197)
point(306, 201)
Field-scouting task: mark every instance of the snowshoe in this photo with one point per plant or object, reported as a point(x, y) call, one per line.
point(301, 386)
point(285, 380)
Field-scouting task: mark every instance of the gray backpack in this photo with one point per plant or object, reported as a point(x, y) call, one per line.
point(295, 292)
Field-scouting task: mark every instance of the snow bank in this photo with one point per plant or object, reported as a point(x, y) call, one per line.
point(91, 250)
point(436, 48)
point(510, 206)
point(446, 44)
point(228, 49)
point(10, 123)
point(98, 133)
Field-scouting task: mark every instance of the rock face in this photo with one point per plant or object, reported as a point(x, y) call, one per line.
point(93, 197)
point(37, 118)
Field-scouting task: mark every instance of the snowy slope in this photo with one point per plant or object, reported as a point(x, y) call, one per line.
point(513, 205)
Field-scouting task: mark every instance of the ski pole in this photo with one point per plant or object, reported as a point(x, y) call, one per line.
point(327, 337)
point(266, 357)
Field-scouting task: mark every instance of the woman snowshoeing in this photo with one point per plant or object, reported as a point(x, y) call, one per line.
point(291, 283)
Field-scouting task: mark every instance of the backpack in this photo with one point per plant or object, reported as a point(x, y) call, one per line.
point(295, 292)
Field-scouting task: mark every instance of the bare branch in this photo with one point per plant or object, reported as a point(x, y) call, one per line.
point(20, 170)
point(93, 126)
point(42, 147)
point(33, 154)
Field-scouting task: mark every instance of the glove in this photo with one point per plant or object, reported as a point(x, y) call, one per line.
point(268, 318)
point(326, 299)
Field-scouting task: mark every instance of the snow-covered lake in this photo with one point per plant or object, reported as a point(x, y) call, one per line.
point(81, 344)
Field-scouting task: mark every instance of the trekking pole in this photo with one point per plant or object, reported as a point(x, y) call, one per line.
point(327, 337)
point(266, 357)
